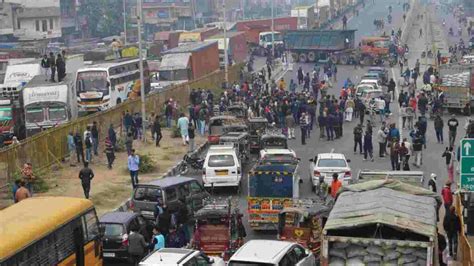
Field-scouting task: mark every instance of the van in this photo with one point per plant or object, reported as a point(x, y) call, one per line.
point(272, 252)
point(169, 190)
point(222, 167)
point(363, 88)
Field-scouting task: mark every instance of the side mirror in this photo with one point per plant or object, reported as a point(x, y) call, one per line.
point(348, 160)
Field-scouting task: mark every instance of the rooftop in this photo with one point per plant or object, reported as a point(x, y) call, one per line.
point(169, 181)
point(39, 12)
point(190, 47)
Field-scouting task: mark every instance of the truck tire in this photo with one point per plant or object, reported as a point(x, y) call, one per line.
point(296, 57)
point(303, 58)
point(311, 56)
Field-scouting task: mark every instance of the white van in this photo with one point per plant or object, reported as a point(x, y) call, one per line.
point(272, 252)
point(222, 167)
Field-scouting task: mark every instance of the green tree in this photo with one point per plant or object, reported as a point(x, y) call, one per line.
point(91, 11)
point(103, 16)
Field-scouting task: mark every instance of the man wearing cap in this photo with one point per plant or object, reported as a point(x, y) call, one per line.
point(432, 183)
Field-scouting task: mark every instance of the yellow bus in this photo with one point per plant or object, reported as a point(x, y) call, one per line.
point(50, 231)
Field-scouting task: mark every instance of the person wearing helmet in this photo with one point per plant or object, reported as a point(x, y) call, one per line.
point(432, 183)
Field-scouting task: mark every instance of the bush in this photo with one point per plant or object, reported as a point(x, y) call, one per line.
point(120, 145)
point(147, 164)
point(175, 132)
point(39, 183)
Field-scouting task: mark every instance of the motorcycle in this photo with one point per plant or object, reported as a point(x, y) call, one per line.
point(190, 162)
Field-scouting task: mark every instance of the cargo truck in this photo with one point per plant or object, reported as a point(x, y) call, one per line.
point(382, 222)
point(237, 50)
point(188, 62)
point(457, 87)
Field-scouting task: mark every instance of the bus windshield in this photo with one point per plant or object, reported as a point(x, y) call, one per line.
point(34, 114)
point(271, 185)
point(94, 81)
point(5, 114)
point(57, 113)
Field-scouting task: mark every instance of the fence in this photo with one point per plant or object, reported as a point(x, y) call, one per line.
point(50, 147)
point(467, 257)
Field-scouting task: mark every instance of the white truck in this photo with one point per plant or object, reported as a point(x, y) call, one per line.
point(48, 104)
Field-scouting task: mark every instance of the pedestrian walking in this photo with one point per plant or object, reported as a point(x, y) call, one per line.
point(452, 227)
point(71, 146)
point(191, 137)
point(335, 185)
point(95, 137)
point(22, 192)
point(129, 142)
point(448, 154)
point(453, 124)
point(382, 141)
point(86, 174)
point(163, 220)
point(290, 124)
point(157, 131)
point(133, 167)
point(303, 127)
point(176, 238)
point(438, 126)
point(183, 123)
point(368, 147)
point(394, 154)
point(109, 152)
point(52, 65)
point(358, 138)
point(88, 143)
point(432, 183)
point(137, 246)
point(322, 125)
point(45, 67)
point(409, 151)
point(79, 147)
point(158, 240)
point(447, 195)
point(112, 136)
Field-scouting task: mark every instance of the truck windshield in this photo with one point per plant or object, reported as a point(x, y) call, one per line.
point(94, 81)
point(57, 113)
point(34, 115)
point(271, 185)
point(268, 37)
point(5, 114)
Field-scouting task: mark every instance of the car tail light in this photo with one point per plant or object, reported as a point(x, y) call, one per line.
point(347, 174)
point(213, 139)
point(125, 240)
point(132, 205)
point(316, 173)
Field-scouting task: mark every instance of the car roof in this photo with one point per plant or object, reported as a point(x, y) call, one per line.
point(220, 148)
point(117, 217)
point(331, 156)
point(168, 181)
point(167, 256)
point(264, 251)
point(278, 151)
point(366, 85)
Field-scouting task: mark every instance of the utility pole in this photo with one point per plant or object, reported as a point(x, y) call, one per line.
point(273, 32)
point(125, 21)
point(242, 4)
point(140, 54)
point(226, 59)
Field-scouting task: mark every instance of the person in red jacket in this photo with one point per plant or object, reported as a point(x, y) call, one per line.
point(447, 195)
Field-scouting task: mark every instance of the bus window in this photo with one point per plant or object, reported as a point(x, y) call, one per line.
point(95, 81)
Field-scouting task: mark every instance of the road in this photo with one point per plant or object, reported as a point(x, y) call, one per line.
point(432, 160)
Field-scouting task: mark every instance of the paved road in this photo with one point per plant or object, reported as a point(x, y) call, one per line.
point(432, 161)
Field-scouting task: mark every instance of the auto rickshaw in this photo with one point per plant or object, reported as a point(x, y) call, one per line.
point(219, 230)
point(237, 110)
point(273, 141)
point(216, 127)
point(257, 128)
point(303, 223)
point(240, 140)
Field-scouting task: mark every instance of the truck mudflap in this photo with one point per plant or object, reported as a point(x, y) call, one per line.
point(378, 251)
point(263, 212)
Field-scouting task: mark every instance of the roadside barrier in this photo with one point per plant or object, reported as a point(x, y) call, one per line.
point(50, 147)
point(467, 252)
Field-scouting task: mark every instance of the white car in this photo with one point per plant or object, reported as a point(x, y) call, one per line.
point(277, 154)
point(376, 83)
point(272, 252)
point(180, 257)
point(364, 88)
point(324, 165)
point(222, 167)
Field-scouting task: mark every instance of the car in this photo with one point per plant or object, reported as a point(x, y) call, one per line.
point(222, 167)
point(180, 257)
point(361, 88)
point(272, 252)
point(367, 96)
point(471, 43)
point(376, 83)
point(383, 73)
point(116, 227)
point(373, 76)
point(324, 165)
point(169, 191)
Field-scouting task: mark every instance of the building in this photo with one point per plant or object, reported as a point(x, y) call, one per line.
point(69, 18)
point(8, 21)
point(165, 15)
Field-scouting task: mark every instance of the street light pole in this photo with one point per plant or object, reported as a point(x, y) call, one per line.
point(125, 21)
point(273, 32)
point(142, 80)
point(226, 59)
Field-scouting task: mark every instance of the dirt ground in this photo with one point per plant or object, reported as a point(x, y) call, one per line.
point(111, 187)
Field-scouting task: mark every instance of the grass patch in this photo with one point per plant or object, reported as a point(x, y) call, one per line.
point(166, 157)
point(40, 183)
point(104, 200)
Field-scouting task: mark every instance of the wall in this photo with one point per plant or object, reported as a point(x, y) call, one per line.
point(50, 147)
point(28, 30)
point(205, 61)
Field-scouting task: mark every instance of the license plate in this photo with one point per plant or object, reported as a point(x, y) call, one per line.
point(148, 213)
point(222, 172)
point(109, 255)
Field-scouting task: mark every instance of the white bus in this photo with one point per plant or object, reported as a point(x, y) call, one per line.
point(104, 85)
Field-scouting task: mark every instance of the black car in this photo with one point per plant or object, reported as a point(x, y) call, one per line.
point(116, 230)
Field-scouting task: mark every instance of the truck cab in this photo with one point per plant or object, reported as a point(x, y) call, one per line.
point(265, 39)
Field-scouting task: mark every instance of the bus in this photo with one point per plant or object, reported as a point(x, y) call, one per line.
point(50, 231)
point(104, 85)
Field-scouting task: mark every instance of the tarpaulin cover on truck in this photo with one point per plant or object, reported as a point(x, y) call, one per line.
point(331, 40)
point(175, 61)
point(385, 202)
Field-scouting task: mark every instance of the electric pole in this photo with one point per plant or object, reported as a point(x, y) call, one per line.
point(142, 80)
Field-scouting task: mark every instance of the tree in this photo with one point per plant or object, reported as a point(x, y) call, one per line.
point(102, 16)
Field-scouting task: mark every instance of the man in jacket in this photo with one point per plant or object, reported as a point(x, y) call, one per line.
point(52, 65)
point(45, 68)
point(61, 67)
point(438, 126)
point(358, 138)
point(447, 196)
point(452, 226)
point(432, 183)
point(133, 167)
point(368, 147)
point(137, 245)
point(86, 176)
point(95, 137)
point(303, 126)
point(79, 147)
point(453, 124)
point(382, 140)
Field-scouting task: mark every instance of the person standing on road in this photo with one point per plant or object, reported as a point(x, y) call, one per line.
point(453, 124)
point(438, 126)
point(447, 195)
point(88, 142)
point(137, 245)
point(368, 147)
point(290, 124)
point(303, 126)
point(112, 136)
point(61, 67)
point(183, 123)
point(191, 136)
point(109, 152)
point(86, 176)
point(394, 154)
point(158, 241)
point(95, 137)
point(452, 226)
point(164, 220)
point(448, 154)
point(133, 167)
point(406, 163)
point(417, 148)
point(358, 138)
point(71, 147)
point(382, 140)
point(79, 147)
point(335, 185)
point(432, 183)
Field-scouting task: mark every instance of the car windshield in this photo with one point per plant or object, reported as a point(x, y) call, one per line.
point(114, 229)
point(34, 114)
point(57, 113)
point(148, 194)
point(275, 142)
point(5, 114)
point(221, 160)
point(332, 163)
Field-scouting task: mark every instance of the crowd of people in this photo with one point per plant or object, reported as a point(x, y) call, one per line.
point(52, 64)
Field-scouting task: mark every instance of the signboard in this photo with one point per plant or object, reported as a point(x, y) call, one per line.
point(467, 165)
point(53, 93)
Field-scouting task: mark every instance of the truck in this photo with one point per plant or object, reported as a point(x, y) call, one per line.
point(237, 50)
point(306, 17)
point(188, 62)
point(382, 222)
point(197, 35)
point(415, 178)
point(48, 104)
point(457, 86)
point(253, 28)
point(271, 187)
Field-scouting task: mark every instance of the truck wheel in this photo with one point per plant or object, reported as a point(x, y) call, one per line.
point(344, 59)
point(295, 57)
point(303, 58)
point(311, 56)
